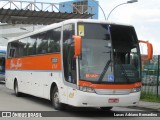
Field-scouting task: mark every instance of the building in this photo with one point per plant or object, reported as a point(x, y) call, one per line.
point(21, 17)
point(80, 6)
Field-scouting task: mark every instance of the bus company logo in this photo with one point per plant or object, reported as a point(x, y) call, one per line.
point(15, 65)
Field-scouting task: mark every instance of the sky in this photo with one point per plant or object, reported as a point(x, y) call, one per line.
point(144, 15)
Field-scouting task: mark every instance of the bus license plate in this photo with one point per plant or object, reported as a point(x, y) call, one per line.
point(113, 100)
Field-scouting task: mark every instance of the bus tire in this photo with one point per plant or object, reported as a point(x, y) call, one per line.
point(18, 94)
point(55, 100)
point(106, 108)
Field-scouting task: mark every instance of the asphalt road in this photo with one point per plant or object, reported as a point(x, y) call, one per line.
point(9, 102)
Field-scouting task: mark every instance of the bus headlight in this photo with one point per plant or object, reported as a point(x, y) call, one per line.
point(86, 89)
point(138, 89)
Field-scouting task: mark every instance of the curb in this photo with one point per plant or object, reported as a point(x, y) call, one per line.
point(145, 108)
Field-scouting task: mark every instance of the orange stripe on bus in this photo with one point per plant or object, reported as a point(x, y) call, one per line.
point(41, 62)
point(109, 86)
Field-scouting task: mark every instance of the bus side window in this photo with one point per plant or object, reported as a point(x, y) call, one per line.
point(39, 43)
point(12, 52)
point(31, 50)
point(13, 49)
point(54, 40)
point(43, 43)
point(23, 47)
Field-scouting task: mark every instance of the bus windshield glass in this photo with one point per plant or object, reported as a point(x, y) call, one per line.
point(96, 51)
point(110, 54)
point(126, 54)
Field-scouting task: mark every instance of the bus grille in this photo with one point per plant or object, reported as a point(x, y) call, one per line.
point(112, 92)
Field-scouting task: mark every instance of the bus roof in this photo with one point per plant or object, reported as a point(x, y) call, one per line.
point(49, 27)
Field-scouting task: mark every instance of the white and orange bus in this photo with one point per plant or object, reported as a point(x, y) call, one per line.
point(83, 63)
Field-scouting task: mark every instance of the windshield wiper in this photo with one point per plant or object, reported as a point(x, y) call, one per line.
point(104, 71)
point(124, 71)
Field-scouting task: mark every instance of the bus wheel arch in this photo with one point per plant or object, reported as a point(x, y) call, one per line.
point(15, 82)
point(54, 97)
point(17, 93)
point(51, 89)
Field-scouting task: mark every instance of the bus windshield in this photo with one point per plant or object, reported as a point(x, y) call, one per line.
point(126, 54)
point(110, 54)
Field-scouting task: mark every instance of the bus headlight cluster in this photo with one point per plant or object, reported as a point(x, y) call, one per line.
point(138, 89)
point(86, 89)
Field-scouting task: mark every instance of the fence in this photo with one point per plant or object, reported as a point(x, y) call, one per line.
point(151, 78)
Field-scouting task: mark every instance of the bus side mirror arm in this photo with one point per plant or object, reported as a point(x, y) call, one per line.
point(77, 46)
point(149, 47)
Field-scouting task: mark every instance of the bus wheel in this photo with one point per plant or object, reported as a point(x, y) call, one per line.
point(106, 108)
point(16, 89)
point(55, 99)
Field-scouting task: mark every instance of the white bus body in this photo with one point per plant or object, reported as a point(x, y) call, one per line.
point(41, 61)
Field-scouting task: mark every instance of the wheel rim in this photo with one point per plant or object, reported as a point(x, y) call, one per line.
point(56, 99)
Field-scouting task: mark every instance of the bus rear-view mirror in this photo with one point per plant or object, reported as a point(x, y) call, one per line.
point(150, 49)
point(77, 45)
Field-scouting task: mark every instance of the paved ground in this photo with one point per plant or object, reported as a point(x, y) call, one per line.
point(148, 106)
point(9, 102)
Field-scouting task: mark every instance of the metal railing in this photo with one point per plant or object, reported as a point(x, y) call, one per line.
point(151, 78)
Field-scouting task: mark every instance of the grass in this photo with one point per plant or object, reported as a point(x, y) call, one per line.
point(148, 97)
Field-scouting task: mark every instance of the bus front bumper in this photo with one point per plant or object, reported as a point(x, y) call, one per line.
point(85, 99)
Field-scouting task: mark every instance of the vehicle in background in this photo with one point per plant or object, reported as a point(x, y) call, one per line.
point(2, 64)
